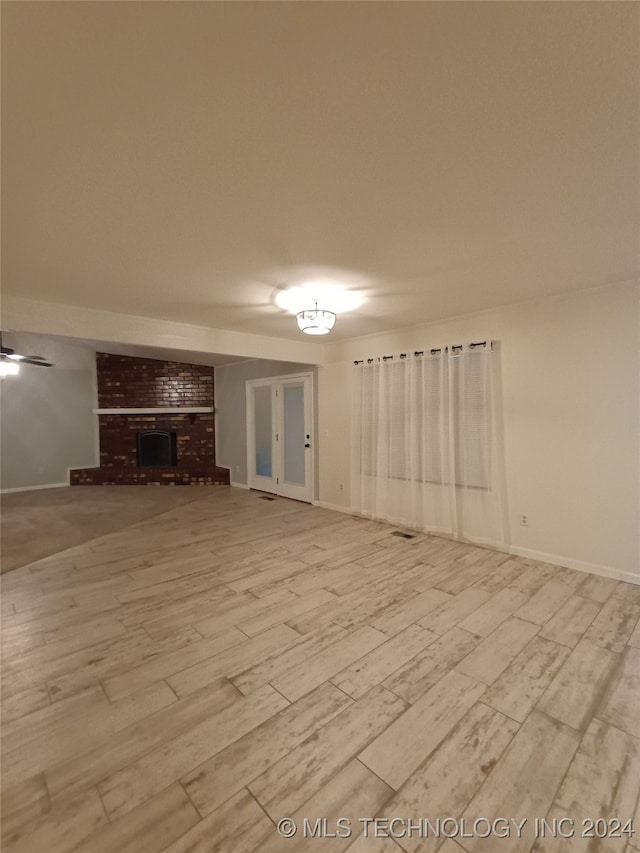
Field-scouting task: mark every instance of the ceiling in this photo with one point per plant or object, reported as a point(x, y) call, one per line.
point(186, 161)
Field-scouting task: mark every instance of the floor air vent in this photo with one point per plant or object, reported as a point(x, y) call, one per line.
point(403, 535)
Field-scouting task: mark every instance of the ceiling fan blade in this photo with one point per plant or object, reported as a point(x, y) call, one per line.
point(37, 361)
point(10, 355)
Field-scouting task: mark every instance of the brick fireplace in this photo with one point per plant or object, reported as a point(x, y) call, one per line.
point(164, 407)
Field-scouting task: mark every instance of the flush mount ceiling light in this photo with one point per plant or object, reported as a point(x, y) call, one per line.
point(327, 299)
point(316, 321)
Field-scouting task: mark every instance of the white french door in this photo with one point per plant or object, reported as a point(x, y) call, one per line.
point(280, 436)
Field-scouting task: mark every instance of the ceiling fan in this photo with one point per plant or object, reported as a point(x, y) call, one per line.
point(10, 356)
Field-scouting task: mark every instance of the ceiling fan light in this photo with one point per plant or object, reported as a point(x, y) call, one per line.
point(8, 368)
point(316, 321)
point(14, 356)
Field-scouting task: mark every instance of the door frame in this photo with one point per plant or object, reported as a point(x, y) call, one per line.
point(272, 484)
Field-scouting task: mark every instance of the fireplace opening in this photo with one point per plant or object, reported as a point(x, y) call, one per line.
point(157, 449)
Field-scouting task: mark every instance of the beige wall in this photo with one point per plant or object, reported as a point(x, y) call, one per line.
point(570, 373)
point(47, 422)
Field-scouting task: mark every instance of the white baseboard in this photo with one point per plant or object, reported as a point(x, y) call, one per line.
point(334, 507)
point(33, 488)
point(239, 485)
point(553, 559)
point(579, 565)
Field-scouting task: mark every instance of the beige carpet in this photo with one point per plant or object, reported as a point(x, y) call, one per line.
point(39, 523)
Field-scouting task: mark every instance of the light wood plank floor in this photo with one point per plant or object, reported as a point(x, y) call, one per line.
point(184, 683)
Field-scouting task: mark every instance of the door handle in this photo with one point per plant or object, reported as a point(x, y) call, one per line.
point(307, 445)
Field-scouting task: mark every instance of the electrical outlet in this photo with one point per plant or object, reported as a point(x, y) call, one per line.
point(341, 487)
point(524, 521)
point(237, 469)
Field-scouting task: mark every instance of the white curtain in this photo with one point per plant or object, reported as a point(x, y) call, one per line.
point(425, 453)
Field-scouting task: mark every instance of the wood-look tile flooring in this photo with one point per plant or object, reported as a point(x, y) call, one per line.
point(184, 683)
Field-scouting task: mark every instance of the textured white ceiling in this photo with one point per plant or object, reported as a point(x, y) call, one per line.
point(186, 160)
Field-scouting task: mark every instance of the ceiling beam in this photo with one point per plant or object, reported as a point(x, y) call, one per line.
point(50, 318)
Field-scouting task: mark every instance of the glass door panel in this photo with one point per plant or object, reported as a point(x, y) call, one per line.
point(295, 451)
point(263, 431)
point(294, 435)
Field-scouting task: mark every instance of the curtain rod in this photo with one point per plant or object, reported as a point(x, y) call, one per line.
point(420, 352)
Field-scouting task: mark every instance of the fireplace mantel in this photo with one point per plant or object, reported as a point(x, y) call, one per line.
point(184, 410)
